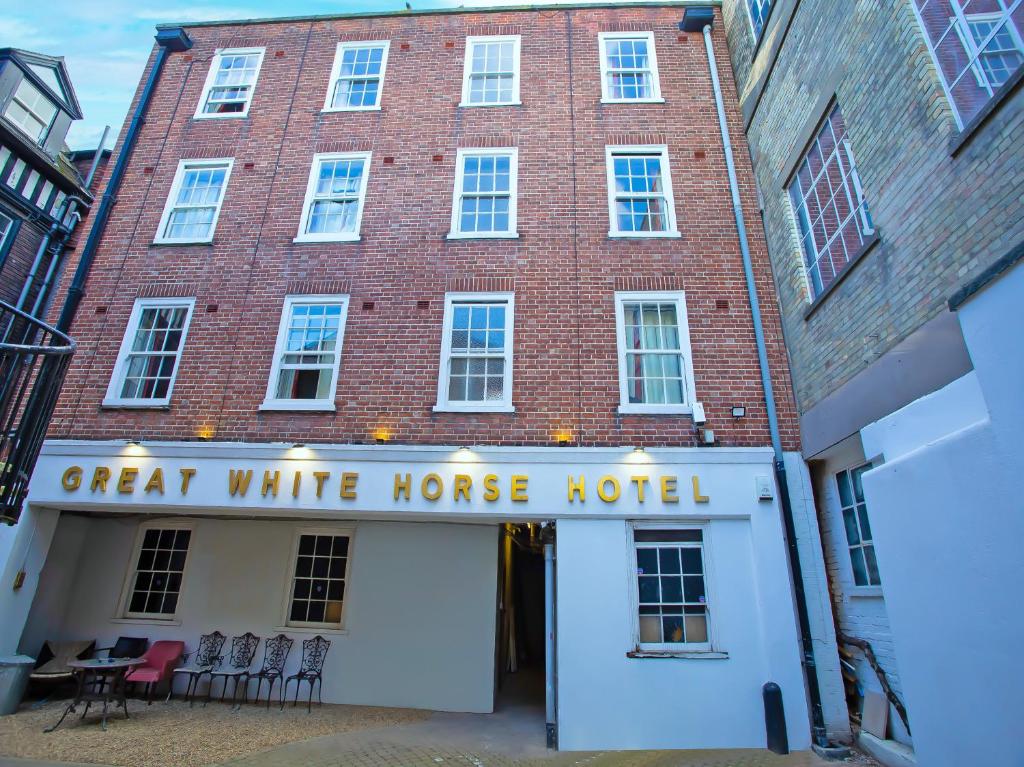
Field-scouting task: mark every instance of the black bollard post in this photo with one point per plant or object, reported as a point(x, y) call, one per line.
point(775, 719)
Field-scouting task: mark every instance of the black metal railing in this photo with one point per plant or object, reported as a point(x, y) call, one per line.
point(34, 358)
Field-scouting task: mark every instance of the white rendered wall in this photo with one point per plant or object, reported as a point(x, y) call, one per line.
point(819, 603)
point(948, 522)
point(419, 614)
point(27, 551)
point(607, 700)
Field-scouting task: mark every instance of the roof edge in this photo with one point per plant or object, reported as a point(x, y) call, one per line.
point(583, 5)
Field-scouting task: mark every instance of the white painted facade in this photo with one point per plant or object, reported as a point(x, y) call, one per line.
point(420, 605)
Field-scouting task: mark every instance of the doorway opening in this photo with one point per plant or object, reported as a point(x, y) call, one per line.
point(521, 682)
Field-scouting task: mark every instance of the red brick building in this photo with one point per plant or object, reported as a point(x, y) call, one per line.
point(443, 267)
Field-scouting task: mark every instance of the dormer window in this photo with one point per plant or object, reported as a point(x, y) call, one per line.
point(31, 111)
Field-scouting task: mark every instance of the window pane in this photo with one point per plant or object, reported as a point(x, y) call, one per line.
point(319, 599)
point(158, 572)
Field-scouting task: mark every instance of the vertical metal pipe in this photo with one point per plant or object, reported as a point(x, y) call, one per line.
point(549, 643)
point(96, 158)
point(810, 668)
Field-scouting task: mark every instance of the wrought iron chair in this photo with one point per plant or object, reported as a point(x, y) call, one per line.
point(275, 653)
point(205, 659)
point(243, 648)
point(314, 651)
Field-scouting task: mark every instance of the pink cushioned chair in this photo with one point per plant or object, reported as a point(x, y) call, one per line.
point(160, 659)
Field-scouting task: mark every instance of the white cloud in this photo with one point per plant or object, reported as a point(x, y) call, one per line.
point(196, 13)
point(23, 34)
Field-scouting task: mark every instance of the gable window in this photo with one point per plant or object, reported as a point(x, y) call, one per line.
point(154, 583)
point(858, 529)
point(147, 363)
point(230, 83)
point(629, 67)
point(193, 205)
point(655, 365)
point(976, 48)
point(335, 194)
point(476, 353)
point(491, 73)
point(672, 603)
point(759, 10)
point(304, 374)
point(317, 588)
point(485, 193)
point(827, 197)
point(31, 111)
point(357, 76)
point(640, 200)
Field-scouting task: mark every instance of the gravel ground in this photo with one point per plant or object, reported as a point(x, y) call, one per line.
point(173, 735)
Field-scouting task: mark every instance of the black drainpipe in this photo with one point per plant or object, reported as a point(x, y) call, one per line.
point(700, 19)
point(173, 40)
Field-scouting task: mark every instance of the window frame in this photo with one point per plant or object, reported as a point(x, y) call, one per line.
point(611, 150)
point(9, 234)
point(455, 232)
point(348, 531)
point(39, 140)
point(678, 297)
point(656, 96)
point(444, 405)
point(332, 83)
point(467, 67)
point(764, 18)
point(711, 597)
point(270, 401)
point(123, 613)
point(211, 77)
point(863, 466)
point(169, 206)
point(307, 203)
point(113, 397)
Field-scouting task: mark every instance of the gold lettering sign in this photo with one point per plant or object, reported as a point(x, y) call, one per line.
point(577, 488)
point(99, 479)
point(72, 479)
point(463, 482)
point(238, 481)
point(518, 493)
point(431, 487)
point(348, 485)
point(156, 481)
point(604, 493)
point(491, 491)
point(186, 477)
point(668, 490)
point(697, 497)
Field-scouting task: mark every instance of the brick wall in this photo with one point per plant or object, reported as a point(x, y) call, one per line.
point(563, 267)
point(941, 218)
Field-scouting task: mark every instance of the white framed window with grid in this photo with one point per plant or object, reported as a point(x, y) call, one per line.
point(307, 355)
point(486, 187)
point(490, 74)
point(859, 541)
point(157, 569)
point(194, 202)
point(672, 607)
point(357, 76)
point(832, 215)
point(335, 196)
point(629, 68)
point(150, 355)
point(758, 11)
point(476, 353)
point(640, 202)
point(6, 228)
point(31, 111)
point(655, 363)
point(976, 46)
point(230, 83)
point(317, 580)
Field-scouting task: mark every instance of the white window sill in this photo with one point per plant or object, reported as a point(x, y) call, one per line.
point(310, 630)
point(643, 235)
point(483, 235)
point(127, 404)
point(688, 654)
point(222, 116)
point(327, 110)
point(307, 406)
point(162, 241)
point(492, 104)
point(332, 238)
point(658, 100)
point(632, 409)
point(148, 621)
point(474, 409)
point(865, 592)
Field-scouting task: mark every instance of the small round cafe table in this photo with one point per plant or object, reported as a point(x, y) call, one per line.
point(100, 680)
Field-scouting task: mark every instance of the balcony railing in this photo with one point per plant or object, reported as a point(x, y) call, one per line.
point(34, 358)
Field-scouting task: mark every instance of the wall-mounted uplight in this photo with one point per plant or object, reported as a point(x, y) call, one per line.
point(133, 442)
point(738, 411)
point(381, 435)
point(299, 444)
point(639, 449)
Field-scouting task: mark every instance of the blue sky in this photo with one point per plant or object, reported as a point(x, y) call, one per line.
point(105, 42)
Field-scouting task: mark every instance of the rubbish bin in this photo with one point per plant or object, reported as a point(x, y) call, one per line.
point(14, 671)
